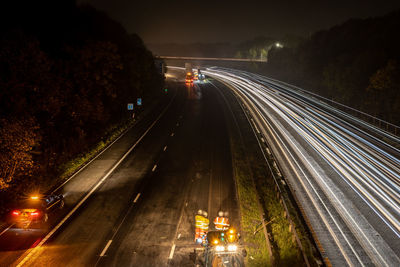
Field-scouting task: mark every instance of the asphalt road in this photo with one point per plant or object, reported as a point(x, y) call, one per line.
point(15, 243)
point(142, 213)
point(346, 180)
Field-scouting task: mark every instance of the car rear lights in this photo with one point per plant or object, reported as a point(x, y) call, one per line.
point(15, 213)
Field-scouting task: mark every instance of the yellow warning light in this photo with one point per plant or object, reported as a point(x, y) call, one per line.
point(215, 241)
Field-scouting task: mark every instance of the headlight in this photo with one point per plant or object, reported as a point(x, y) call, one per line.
point(219, 248)
point(232, 248)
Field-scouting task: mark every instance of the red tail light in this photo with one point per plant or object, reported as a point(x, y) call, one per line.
point(15, 213)
point(36, 213)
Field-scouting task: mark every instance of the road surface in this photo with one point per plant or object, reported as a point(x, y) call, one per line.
point(345, 179)
point(144, 192)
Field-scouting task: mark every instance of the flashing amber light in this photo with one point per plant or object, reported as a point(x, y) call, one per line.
point(215, 241)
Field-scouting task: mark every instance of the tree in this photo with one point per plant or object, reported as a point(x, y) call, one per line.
point(17, 139)
point(384, 92)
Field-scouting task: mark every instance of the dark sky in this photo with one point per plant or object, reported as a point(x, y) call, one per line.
point(170, 21)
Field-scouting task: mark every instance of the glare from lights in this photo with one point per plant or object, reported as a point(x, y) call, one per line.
point(219, 248)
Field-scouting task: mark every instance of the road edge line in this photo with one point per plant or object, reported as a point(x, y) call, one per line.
point(80, 203)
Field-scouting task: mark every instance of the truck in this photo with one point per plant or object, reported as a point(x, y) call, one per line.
point(189, 73)
point(221, 246)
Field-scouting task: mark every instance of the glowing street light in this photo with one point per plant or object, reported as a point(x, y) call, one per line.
point(278, 45)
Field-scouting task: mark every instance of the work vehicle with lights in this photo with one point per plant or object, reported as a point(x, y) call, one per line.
point(189, 78)
point(223, 248)
point(35, 210)
point(223, 241)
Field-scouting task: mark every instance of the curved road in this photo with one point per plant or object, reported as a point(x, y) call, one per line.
point(345, 179)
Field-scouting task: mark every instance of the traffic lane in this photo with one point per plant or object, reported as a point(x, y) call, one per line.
point(324, 220)
point(14, 242)
point(354, 204)
point(145, 239)
point(79, 240)
point(288, 163)
point(212, 187)
point(307, 164)
point(173, 240)
point(222, 190)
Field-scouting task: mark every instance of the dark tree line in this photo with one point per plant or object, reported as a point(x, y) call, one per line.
point(356, 63)
point(66, 73)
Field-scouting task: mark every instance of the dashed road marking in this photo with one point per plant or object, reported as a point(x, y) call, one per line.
point(172, 134)
point(32, 251)
point(179, 236)
point(5, 230)
point(171, 254)
point(136, 198)
point(165, 148)
point(154, 168)
point(105, 248)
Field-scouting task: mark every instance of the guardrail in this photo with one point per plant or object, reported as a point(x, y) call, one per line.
point(368, 118)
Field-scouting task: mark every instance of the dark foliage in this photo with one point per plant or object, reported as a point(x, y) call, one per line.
point(66, 73)
point(347, 63)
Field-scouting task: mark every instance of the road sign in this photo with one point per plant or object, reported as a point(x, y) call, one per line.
point(139, 102)
point(130, 106)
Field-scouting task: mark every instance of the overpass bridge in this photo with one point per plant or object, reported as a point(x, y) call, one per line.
point(212, 59)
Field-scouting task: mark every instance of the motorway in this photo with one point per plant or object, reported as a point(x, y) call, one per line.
point(345, 179)
point(134, 204)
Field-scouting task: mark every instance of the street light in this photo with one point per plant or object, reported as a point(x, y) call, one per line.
point(278, 45)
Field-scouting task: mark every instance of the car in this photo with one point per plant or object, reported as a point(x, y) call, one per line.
point(35, 210)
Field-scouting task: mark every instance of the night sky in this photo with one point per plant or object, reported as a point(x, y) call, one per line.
point(234, 21)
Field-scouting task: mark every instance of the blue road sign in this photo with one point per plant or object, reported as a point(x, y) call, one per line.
point(130, 106)
point(139, 102)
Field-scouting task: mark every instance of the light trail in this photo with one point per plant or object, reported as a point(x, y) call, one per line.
point(351, 172)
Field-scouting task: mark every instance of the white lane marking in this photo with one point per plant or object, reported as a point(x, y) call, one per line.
point(171, 254)
point(154, 168)
point(32, 251)
point(186, 204)
point(5, 230)
point(105, 248)
point(172, 134)
point(179, 236)
point(165, 148)
point(136, 198)
point(87, 164)
point(177, 124)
